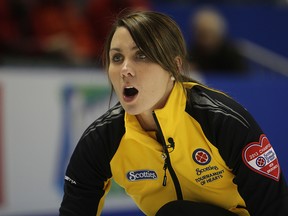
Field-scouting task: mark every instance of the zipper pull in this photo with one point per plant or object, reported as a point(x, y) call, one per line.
point(165, 176)
point(164, 156)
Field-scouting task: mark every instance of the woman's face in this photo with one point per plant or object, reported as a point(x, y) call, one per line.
point(140, 85)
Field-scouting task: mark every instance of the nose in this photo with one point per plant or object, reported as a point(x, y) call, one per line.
point(126, 70)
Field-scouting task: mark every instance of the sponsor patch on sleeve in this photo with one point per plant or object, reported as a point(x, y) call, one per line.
point(260, 157)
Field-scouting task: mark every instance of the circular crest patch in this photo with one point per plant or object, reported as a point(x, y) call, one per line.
point(201, 156)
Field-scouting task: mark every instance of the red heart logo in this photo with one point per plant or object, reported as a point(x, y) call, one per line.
point(261, 158)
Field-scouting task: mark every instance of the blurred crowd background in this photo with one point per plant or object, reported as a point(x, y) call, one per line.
point(72, 32)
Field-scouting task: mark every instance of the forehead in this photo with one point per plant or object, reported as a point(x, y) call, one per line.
point(122, 39)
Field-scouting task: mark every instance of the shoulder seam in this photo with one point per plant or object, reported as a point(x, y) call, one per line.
point(107, 118)
point(216, 106)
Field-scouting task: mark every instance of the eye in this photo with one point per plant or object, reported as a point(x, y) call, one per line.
point(117, 58)
point(141, 56)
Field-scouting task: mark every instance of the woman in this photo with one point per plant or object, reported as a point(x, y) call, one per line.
point(171, 143)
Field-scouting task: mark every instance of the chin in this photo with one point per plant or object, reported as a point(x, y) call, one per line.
point(131, 109)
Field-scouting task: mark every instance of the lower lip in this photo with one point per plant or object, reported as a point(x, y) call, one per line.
point(129, 99)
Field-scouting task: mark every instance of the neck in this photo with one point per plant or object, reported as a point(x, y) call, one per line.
point(146, 121)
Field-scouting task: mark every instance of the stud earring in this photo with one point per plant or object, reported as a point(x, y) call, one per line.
point(172, 78)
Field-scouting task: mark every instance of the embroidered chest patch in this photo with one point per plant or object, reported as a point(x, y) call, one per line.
point(206, 173)
point(141, 175)
point(201, 156)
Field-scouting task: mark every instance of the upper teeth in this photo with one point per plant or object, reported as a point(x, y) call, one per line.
point(129, 87)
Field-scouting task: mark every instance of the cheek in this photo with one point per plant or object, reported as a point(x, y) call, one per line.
point(158, 78)
point(113, 76)
point(156, 84)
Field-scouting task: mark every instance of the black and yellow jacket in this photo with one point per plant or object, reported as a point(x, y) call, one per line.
point(207, 149)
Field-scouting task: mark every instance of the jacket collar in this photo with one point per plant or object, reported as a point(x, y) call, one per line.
point(168, 116)
point(171, 113)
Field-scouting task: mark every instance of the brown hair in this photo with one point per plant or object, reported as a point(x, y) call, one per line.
point(158, 37)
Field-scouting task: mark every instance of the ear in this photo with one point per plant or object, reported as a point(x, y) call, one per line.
point(179, 63)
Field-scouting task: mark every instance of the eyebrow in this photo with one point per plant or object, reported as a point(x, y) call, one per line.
point(119, 50)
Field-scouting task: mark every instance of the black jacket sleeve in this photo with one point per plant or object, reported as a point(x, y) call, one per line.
point(246, 150)
point(88, 172)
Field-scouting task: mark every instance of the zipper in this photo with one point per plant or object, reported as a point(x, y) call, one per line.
point(167, 161)
point(164, 156)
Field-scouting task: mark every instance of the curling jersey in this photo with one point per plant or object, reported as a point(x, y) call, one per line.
point(207, 149)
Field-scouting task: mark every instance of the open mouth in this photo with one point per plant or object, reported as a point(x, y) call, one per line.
point(130, 93)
